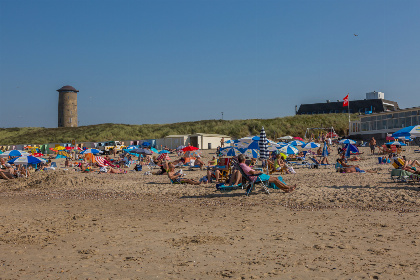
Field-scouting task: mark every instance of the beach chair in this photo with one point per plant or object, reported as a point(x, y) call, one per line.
point(399, 175)
point(249, 184)
point(224, 168)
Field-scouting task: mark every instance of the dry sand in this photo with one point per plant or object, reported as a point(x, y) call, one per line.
point(67, 225)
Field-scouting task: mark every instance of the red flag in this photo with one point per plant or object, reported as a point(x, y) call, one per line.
point(346, 101)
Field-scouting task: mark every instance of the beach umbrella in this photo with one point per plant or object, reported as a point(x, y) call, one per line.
point(231, 141)
point(287, 138)
point(410, 131)
point(297, 143)
point(262, 144)
point(298, 138)
point(142, 151)
point(347, 141)
point(230, 152)
point(155, 151)
point(189, 148)
point(59, 148)
point(37, 155)
point(91, 151)
point(162, 152)
point(325, 149)
point(396, 143)
point(25, 160)
point(311, 145)
point(14, 153)
point(289, 149)
point(252, 153)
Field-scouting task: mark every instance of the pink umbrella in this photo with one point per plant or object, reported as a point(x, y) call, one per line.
point(298, 138)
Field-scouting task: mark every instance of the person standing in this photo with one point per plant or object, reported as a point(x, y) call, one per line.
point(222, 142)
point(372, 145)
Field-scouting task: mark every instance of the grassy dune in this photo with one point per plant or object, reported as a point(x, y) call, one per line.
point(294, 125)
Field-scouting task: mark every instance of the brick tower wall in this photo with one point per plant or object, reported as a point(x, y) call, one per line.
point(67, 109)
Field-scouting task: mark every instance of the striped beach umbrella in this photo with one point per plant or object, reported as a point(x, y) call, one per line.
point(252, 153)
point(410, 131)
point(289, 149)
point(14, 153)
point(230, 152)
point(297, 143)
point(347, 141)
point(262, 144)
point(311, 145)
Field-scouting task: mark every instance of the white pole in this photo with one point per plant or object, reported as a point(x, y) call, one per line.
point(348, 108)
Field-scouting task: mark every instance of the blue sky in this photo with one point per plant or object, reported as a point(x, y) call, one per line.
point(137, 62)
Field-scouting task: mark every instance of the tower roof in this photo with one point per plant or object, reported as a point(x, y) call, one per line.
point(67, 88)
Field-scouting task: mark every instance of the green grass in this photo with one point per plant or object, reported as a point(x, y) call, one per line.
point(293, 125)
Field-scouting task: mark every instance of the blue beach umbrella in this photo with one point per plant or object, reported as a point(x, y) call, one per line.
point(142, 151)
point(91, 151)
point(252, 153)
point(131, 147)
point(289, 149)
point(410, 131)
point(14, 153)
point(25, 160)
point(347, 141)
point(230, 152)
point(297, 143)
point(311, 145)
point(161, 152)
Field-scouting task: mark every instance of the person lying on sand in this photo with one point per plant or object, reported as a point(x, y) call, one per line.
point(345, 165)
point(324, 160)
point(258, 176)
point(353, 169)
point(176, 177)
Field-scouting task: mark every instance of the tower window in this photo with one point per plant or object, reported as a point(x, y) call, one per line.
point(70, 120)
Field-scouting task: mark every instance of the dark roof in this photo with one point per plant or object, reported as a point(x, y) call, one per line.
point(67, 88)
point(355, 105)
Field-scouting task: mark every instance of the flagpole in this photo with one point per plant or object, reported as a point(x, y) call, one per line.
point(348, 108)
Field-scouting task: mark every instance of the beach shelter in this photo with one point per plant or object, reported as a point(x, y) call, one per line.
point(350, 149)
point(298, 138)
point(90, 157)
point(142, 151)
point(163, 157)
point(410, 131)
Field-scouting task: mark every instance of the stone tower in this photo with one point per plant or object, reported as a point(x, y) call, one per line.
point(67, 107)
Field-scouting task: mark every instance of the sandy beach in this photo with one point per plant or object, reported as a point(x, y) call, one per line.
point(68, 225)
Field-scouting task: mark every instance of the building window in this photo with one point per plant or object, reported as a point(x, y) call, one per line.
point(70, 120)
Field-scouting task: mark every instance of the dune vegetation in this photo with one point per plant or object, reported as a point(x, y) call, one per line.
point(293, 125)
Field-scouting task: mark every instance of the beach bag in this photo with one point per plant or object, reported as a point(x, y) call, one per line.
point(398, 163)
point(138, 167)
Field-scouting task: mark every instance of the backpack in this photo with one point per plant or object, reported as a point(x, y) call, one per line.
point(138, 167)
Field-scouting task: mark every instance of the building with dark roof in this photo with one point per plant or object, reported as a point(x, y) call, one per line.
point(67, 107)
point(374, 103)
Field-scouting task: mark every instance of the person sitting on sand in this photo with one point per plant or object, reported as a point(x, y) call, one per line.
point(256, 176)
point(5, 174)
point(213, 162)
point(176, 177)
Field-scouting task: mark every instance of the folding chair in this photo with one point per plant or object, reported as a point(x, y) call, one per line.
point(224, 172)
point(249, 184)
